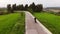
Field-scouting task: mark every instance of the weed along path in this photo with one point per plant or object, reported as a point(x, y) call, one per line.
point(32, 27)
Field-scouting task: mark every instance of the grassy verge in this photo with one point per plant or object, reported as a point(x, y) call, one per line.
point(12, 23)
point(51, 21)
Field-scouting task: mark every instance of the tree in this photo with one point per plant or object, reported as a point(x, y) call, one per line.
point(21, 7)
point(26, 7)
point(39, 7)
point(32, 6)
point(14, 6)
point(9, 8)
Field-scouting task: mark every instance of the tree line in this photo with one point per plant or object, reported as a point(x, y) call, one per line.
point(35, 8)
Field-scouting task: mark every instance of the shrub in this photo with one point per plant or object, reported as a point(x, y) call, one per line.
point(1, 13)
point(58, 13)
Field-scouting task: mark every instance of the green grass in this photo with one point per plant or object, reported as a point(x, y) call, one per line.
point(12, 23)
point(51, 21)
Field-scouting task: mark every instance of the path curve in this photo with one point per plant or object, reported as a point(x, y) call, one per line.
point(32, 27)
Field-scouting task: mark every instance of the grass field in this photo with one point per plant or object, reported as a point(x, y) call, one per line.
point(51, 21)
point(12, 23)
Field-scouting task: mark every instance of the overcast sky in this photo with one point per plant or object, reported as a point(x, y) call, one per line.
point(46, 3)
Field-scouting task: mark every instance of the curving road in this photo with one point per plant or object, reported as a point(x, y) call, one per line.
point(32, 27)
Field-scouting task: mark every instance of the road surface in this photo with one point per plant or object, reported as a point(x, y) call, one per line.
point(32, 27)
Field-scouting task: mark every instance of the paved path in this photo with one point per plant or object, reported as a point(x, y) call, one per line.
point(32, 27)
